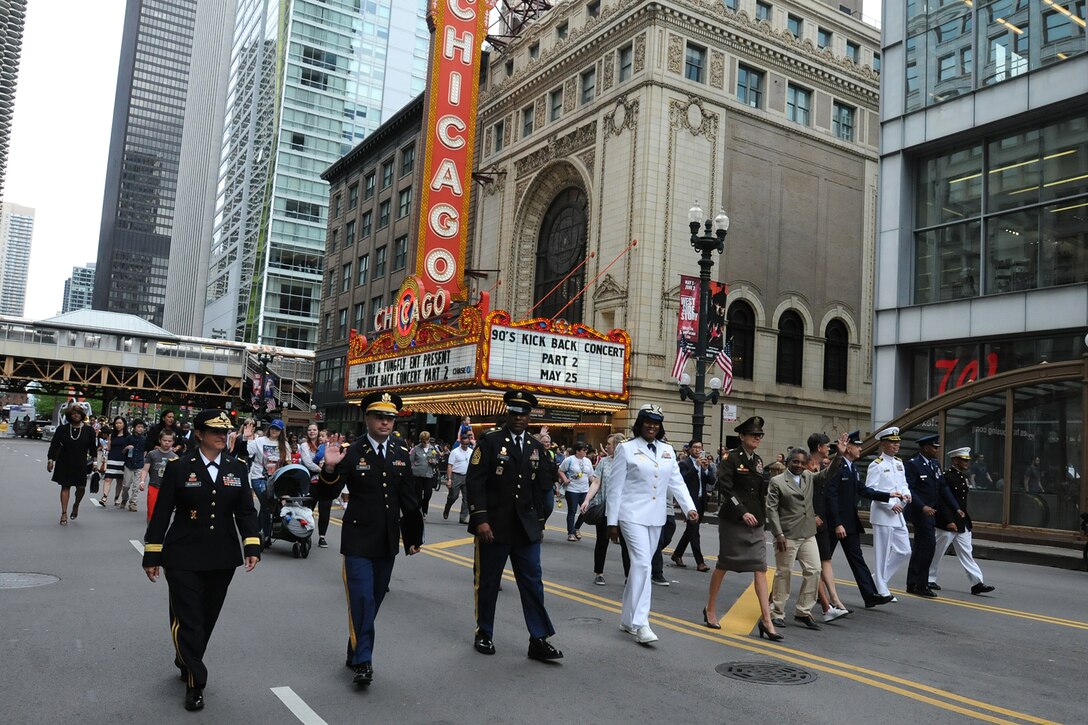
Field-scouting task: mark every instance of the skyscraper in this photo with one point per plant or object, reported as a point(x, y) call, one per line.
point(78, 289)
point(12, 17)
point(142, 210)
point(304, 88)
point(16, 230)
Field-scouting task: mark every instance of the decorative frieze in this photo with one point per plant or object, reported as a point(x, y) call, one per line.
point(557, 148)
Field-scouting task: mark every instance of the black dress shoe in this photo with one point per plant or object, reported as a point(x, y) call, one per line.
point(541, 649)
point(911, 589)
point(778, 622)
point(879, 601)
point(933, 586)
point(364, 674)
point(981, 588)
point(194, 698)
point(483, 644)
point(926, 592)
point(807, 621)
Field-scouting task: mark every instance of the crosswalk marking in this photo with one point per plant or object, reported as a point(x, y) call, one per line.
point(138, 546)
point(297, 706)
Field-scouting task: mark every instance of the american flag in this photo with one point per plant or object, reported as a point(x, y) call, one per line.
point(682, 357)
point(725, 362)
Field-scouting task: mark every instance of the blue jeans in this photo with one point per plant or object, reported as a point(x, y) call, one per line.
point(574, 518)
point(264, 507)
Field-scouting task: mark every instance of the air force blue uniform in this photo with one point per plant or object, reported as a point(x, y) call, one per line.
point(928, 488)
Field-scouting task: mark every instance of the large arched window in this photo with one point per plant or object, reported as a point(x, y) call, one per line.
point(560, 248)
point(791, 344)
point(740, 331)
point(836, 344)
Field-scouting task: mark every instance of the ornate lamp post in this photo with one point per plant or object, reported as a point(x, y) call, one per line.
point(712, 239)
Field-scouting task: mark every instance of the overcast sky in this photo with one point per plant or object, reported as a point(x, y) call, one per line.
point(61, 135)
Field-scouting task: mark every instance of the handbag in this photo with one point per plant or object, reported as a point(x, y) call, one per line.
point(94, 482)
point(595, 515)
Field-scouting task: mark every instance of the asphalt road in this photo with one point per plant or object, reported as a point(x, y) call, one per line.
point(93, 647)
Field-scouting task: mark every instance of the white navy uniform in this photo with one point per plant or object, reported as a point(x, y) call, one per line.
point(639, 502)
point(891, 541)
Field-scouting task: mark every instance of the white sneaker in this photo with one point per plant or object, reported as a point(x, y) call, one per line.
point(645, 635)
point(834, 613)
point(629, 630)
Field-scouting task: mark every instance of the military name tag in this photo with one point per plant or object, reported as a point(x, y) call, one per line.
point(742, 469)
point(232, 481)
point(363, 466)
point(399, 463)
point(192, 482)
point(666, 454)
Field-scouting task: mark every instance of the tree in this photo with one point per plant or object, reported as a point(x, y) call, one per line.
point(45, 405)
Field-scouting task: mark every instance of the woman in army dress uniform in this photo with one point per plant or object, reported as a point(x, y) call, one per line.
point(199, 550)
point(742, 495)
point(73, 445)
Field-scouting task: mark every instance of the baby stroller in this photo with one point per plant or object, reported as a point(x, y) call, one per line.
point(292, 517)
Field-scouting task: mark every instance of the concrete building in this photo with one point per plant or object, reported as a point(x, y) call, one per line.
point(308, 81)
point(374, 192)
point(16, 233)
point(12, 19)
point(982, 266)
point(603, 122)
point(78, 289)
point(161, 170)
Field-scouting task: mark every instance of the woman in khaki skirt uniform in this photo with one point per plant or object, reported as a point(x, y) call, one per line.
point(742, 497)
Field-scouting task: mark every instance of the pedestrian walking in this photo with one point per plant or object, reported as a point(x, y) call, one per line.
point(742, 542)
point(424, 458)
point(644, 471)
point(792, 522)
point(456, 472)
point(954, 525)
point(134, 465)
point(598, 496)
point(574, 472)
point(928, 491)
point(699, 475)
point(198, 550)
point(267, 454)
point(383, 509)
point(819, 454)
point(167, 420)
point(891, 542)
point(309, 457)
point(505, 494)
point(115, 461)
point(155, 462)
point(70, 454)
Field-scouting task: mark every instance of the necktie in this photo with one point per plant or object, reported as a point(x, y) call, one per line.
point(517, 442)
point(652, 448)
point(381, 451)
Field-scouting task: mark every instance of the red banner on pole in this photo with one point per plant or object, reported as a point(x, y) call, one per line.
point(688, 319)
point(460, 27)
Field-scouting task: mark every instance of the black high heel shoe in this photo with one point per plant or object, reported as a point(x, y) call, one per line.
point(707, 622)
point(764, 632)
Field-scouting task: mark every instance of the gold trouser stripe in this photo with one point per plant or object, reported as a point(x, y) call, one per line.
point(175, 625)
point(251, 541)
point(347, 595)
point(152, 548)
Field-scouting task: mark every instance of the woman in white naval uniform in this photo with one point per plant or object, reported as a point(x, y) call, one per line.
point(891, 542)
point(644, 470)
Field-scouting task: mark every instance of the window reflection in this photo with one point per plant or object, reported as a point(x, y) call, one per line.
point(947, 263)
point(1047, 436)
point(980, 424)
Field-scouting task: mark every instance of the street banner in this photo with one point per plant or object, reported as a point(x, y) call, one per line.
point(687, 323)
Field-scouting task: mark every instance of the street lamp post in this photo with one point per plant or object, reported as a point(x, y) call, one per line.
point(711, 240)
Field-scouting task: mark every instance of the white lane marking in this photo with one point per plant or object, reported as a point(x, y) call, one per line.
point(295, 704)
point(94, 502)
point(139, 547)
point(37, 460)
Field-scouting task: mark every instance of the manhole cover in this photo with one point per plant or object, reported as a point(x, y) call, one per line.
point(765, 673)
point(23, 580)
point(586, 620)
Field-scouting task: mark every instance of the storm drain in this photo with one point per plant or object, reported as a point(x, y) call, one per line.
point(24, 580)
point(765, 673)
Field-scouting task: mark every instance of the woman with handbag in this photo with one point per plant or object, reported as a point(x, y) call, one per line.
point(574, 472)
point(593, 508)
point(115, 461)
point(73, 445)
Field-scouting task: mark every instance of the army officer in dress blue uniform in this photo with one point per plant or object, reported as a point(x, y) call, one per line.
point(928, 491)
point(207, 493)
point(384, 505)
point(506, 486)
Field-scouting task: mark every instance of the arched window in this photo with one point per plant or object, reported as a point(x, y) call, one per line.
point(560, 248)
point(740, 331)
point(836, 344)
point(791, 345)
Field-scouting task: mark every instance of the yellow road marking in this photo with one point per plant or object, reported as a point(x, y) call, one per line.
point(891, 683)
point(452, 543)
point(745, 612)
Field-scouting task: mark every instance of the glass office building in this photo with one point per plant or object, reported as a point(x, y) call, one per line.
point(982, 255)
point(309, 79)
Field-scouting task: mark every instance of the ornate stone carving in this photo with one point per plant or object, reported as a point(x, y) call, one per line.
point(606, 75)
point(506, 128)
point(570, 95)
point(640, 52)
point(519, 190)
point(691, 115)
point(717, 69)
point(557, 148)
point(623, 116)
point(539, 109)
point(587, 158)
point(676, 54)
point(487, 143)
point(608, 290)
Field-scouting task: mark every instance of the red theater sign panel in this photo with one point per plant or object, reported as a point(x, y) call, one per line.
point(460, 27)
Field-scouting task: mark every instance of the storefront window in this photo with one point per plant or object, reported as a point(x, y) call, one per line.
point(980, 424)
point(1047, 439)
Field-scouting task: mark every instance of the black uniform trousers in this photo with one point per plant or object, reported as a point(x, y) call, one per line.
point(657, 562)
point(525, 560)
point(851, 546)
point(691, 536)
point(196, 597)
point(925, 546)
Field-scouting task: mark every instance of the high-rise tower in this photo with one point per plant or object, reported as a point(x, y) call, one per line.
point(12, 18)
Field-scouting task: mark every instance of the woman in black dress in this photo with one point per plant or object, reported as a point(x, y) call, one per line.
point(73, 445)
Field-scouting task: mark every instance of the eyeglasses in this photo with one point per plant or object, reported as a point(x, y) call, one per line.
point(756, 435)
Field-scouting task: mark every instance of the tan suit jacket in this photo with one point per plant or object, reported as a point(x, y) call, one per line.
point(789, 509)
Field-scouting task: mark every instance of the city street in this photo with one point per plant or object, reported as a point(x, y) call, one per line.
point(94, 647)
